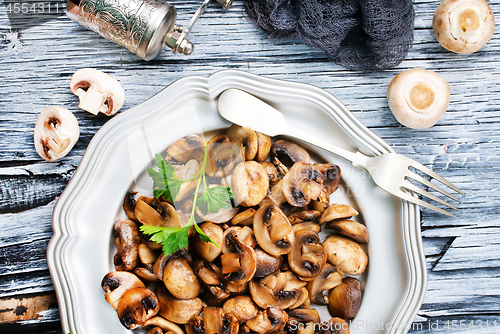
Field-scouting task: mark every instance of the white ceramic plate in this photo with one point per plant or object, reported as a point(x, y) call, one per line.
point(81, 251)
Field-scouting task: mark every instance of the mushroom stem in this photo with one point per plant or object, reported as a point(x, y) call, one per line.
point(92, 101)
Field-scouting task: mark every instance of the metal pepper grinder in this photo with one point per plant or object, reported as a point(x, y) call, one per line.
point(144, 27)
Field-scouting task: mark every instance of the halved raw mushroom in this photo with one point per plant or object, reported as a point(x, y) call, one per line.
point(345, 299)
point(337, 212)
point(345, 254)
point(129, 204)
point(180, 311)
point(211, 278)
point(302, 183)
point(327, 279)
point(137, 306)
point(285, 154)
point(242, 307)
point(271, 320)
point(349, 228)
point(246, 137)
point(279, 289)
point(207, 250)
point(463, 26)
point(186, 172)
point(272, 173)
point(244, 218)
point(307, 257)
point(166, 216)
point(238, 267)
point(127, 241)
point(164, 324)
point(267, 263)
point(249, 183)
point(56, 132)
point(215, 321)
point(223, 158)
point(97, 91)
point(179, 278)
point(190, 147)
point(264, 146)
point(273, 230)
point(116, 283)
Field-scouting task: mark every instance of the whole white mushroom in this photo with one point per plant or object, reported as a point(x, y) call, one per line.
point(463, 26)
point(418, 98)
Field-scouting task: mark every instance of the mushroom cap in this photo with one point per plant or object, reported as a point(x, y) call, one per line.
point(97, 91)
point(56, 132)
point(350, 228)
point(180, 279)
point(284, 154)
point(345, 299)
point(302, 183)
point(273, 230)
point(242, 307)
point(245, 136)
point(238, 267)
point(345, 254)
point(463, 26)
point(249, 183)
point(116, 283)
point(180, 311)
point(327, 279)
point(207, 250)
point(337, 211)
point(307, 257)
point(264, 146)
point(418, 98)
point(137, 306)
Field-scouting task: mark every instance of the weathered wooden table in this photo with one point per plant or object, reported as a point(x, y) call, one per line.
point(36, 65)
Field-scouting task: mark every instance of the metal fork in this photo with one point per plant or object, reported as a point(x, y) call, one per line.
point(390, 171)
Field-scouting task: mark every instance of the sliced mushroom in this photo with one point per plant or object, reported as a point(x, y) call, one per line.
point(127, 233)
point(264, 146)
point(307, 257)
point(137, 306)
point(345, 254)
point(337, 325)
point(238, 267)
point(267, 263)
point(244, 218)
point(327, 279)
point(116, 283)
point(211, 278)
point(337, 212)
point(302, 183)
point(215, 321)
point(272, 173)
point(304, 216)
point(303, 315)
point(271, 320)
point(273, 230)
point(285, 154)
point(345, 299)
point(249, 183)
point(147, 255)
point(129, 203)
point(186, 172)
point(164, 324)
point(166, 216)
point(275, 196)
point(146, 274)
point(245, 234)
point(223, 158)
point(331, 177)
point(207, 250)
point(179, 277)
point(303, 299)
point(180, 311)
point(308, 226)
point(97, 91)
point(56, 132)
point(189, 147)
point(349, 228)
point(155, 330)
point(242, 307)
point(278, 289)
point(463, 26)
point(246, 137)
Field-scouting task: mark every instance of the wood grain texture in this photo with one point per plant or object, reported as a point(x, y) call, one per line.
point(462, 253)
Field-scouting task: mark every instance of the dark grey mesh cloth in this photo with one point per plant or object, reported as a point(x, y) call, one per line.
point(365, 35)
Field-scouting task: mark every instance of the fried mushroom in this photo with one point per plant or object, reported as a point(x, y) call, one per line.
point(137, 306)
point(246, 137)
point(249, 183)
point(266, 263)
point(271, 320)
point(128, 240)
point(278, 289)
point(215, 321)
point(273, 230)
point(116, 283)
point(327, 279)
point(307, 257)
point(302, 183)
point(211, 277)
point(345, 299)
point(285, 154)
point(349, 228)
point(164, 324)
point(238, 267)
point(242, 307)
point(179, 278)
point(187, 148)
point(264, 147)
point(223, 158)
point(345, 254)
point(207, 250)
point(166, 216)
point(180, 311)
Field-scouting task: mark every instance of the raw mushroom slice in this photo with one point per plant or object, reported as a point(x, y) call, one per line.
point(418, 98)
point(97, 91)
point(271, 320)
point(189, 147)
point(238, 267)
point(307, 257)
point(345, 254)
point(180, 311)
point(116, 283)
point(463, 26)
point(249, 183)
point(285, 154)
point(137, 306)
point(127, 233)
point(246, 137)
point(56, 132)
point(302, 183)
point(242, 307)
point(273, 230)
point(207, 250)
point(327, 279)
point(345, 299)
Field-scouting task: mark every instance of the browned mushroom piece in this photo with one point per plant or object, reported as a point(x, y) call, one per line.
point(146, 275)
point(327, 279)
point(242, 307)
point(129, 203)
point(164, 324)
point(271, 320)
point(278, 289)
point(147, 256)
point(238, 267)
point(303, 299)
point(349, 228)
point(244, 218)
point(178, 276)
point(237, 290)
point(308, 226)
point(331, 177)
point(207, 250)
point(211, 278)
point(272, 173)
point(215, 321)
point(185, 149)
point(264, 146)
point(180, 311)
point(186, 171)
point(155, 330)
point(302, 183)
point(337, 212)
point(267, 263)
point(304, 216)
point(345, 254)
point(337, 325)
point(245, 234)
point(273, 230)
point(127, 239)
point(307, 257)
point(303, 315)
point(246, 137)
point(116, 283)
point(249, 183)
point(146, 214)
point(285, 154)
point(137, 306)
point(275, 196)
point(223, 158)
point(345, 299)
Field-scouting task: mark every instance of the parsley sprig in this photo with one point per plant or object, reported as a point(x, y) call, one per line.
point(167, 184)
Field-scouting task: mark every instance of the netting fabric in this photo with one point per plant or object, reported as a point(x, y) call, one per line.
point(365, 35)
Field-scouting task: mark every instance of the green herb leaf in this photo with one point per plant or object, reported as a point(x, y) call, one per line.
point(203, 236)
point(165, 182)
point(172, 238)
point(215, 198)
